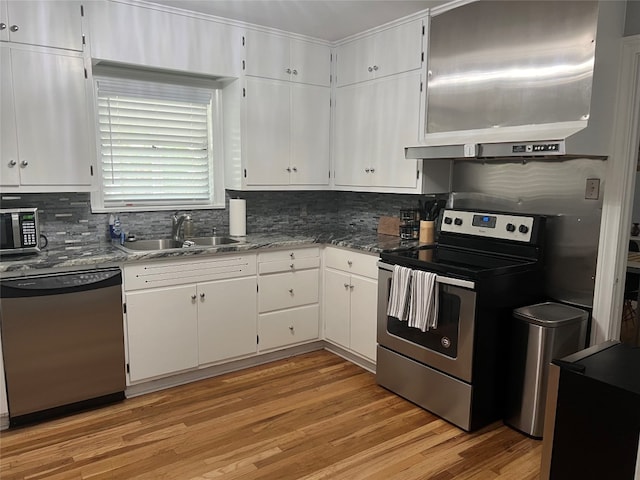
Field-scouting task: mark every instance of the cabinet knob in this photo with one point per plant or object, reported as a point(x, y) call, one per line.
point(289, 169)
point(373, 170)
point(291, 254)
point(291, 328)
point(349, 262)
point(3, 26)
point(14, 28)
point(351, 287)
point(288, 70)
point(292, 266)
point(193, 297)
point(295, 72)
point(12, 163)
point(346, 285)
point(370, 69)
point(202, 296)
point(291, 291)
point(367, 170)
point(375, 67)
point(295, 169)
point(24, 163)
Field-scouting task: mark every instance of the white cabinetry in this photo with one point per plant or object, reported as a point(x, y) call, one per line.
point(44, 126)
point(45, 23)
point(283, 58)
point(182, 314)
point(288, 297)
point(148, 37)
point(393, 50)
point(350, 289)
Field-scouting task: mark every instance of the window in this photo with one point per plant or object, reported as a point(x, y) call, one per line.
point(156, 146)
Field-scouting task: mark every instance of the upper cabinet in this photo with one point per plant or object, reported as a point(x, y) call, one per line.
point(394, 50)
point(44, 23)
point(146, 37)
point(45, 128)
point(283, 58)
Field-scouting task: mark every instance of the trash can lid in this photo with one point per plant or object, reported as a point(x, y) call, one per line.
point(550, 314)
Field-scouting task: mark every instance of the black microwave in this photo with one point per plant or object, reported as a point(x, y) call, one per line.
point(20, 230)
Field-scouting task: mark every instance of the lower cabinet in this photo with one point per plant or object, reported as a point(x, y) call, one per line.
point(351, 292)
point(189, 313)
point(288, 309)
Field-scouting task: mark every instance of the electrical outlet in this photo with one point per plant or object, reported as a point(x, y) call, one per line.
point(592, 191)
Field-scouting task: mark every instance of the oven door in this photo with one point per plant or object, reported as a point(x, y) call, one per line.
point(448, 348)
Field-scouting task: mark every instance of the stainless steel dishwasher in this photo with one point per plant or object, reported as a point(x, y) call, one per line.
point(62, 342)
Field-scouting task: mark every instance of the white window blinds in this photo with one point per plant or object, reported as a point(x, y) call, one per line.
point(155, 143)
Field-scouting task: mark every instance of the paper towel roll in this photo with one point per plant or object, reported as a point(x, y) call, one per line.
point(237, 217)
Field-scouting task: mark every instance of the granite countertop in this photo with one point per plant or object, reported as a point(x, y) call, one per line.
point(108, 255)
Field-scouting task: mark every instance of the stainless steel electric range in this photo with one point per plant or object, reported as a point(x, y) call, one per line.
point(485, 265)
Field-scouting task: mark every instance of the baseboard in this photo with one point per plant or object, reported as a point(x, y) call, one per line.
point(351, 357)
point(4, 421)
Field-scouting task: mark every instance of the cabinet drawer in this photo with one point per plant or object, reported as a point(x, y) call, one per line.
point(352, 262)
point(289, 265)
point(286, 290)
point(279, 329)
point(292, 254)
point(175, 272)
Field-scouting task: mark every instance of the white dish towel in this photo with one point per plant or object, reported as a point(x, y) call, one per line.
point(399, 294)
point(423, 307)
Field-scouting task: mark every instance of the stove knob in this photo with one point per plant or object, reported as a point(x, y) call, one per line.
point(523, 229)
point(511, 227)
point(447, 220)
point(458, 221)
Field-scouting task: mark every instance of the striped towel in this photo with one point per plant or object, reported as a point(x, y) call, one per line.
point(399, 294)
point(423, 307)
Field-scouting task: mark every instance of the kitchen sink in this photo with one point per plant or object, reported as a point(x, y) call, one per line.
point(168, 244)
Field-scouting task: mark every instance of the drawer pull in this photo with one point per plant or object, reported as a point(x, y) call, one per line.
point(351, 287)
point(349, 262)
point(202, 296)
point(292, 255)
point(291, 291)
point(291, 328)
point(346, 285)
point(193, 297)
point(292, 266)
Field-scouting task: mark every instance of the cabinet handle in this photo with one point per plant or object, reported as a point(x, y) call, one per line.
point(12, 163)
point(367, 170)
point(375, 67)
point(289, 169)
point(295, 169)
point(193, 297)
point(3, 26)
point(351, 287)
point(291, 291)
point(370, 69)
point(295, 72)
point(291, 255)
point(202, 296)
point(291, 328)
point(292, 266)
point(346, 285)
point(288, 70)
point(349, 262)
point(373, 170)
point(24, 163)
point(14, 28)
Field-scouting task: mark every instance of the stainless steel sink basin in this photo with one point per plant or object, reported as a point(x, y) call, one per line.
point(213, 241)
point(169, 244)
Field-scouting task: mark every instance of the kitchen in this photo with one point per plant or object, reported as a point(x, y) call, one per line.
point(67, 219)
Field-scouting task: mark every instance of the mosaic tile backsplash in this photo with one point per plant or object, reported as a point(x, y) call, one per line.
point(66, 218)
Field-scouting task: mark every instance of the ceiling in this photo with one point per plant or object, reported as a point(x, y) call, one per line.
point(326, 19)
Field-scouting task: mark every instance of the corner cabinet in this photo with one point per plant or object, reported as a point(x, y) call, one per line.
point(288, 309)
point(45, 127)
point(351, 292)
point(179, 317)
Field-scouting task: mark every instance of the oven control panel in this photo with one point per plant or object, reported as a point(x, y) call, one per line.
point(486, 224)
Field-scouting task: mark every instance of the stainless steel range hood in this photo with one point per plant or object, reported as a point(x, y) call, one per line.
point(521, 79)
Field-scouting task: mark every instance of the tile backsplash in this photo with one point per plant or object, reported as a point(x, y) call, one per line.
point(67, 221)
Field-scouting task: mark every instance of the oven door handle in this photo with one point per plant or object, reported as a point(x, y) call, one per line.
point(456, 282)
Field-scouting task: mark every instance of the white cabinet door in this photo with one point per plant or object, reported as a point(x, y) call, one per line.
point(310, 135)
point(336, 312)
point(9, 161)
point(396, 125)
point(364, 303)
point(51, 118)
point(353, 61)
point(43, 22)
point(310, 63)
point(398, 49)
point(162, 331)
point(353, 135)
point(151, 38)
point(267, 132)
point(286, 290)
point(268, 55)
point(227, 318)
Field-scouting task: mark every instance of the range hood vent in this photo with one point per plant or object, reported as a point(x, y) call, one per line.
point(521, 79)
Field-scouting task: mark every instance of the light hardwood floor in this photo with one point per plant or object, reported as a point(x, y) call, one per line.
point(313, 416)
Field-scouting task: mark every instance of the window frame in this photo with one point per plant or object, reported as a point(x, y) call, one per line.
point(216, 164)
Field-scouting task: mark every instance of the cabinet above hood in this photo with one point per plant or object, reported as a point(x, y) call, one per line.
point(521, 79)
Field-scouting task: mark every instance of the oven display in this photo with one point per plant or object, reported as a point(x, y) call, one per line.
point(487, 221)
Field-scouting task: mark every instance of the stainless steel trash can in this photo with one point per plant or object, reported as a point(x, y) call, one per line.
point(539, 334)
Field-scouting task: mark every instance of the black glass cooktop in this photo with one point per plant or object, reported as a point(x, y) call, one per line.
point(459, 262)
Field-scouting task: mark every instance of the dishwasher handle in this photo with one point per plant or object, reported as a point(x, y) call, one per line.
point(60, 283)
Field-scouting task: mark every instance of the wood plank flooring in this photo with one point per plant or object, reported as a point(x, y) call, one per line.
point(314, 416)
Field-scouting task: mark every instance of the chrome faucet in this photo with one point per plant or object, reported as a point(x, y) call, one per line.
point(176, 223)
